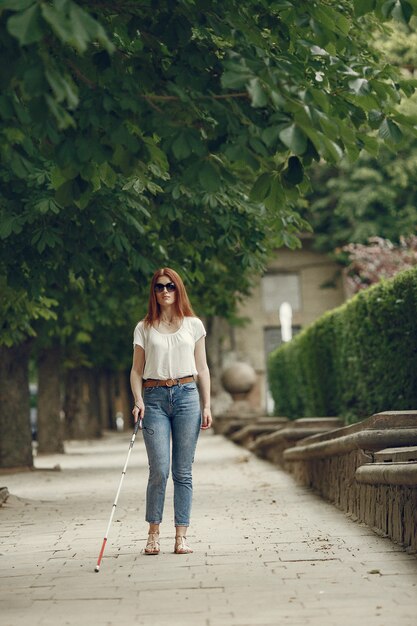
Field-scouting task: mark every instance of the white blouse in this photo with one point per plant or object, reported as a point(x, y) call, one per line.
point(169, 355)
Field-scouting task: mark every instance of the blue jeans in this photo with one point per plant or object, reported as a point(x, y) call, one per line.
point(171, 410)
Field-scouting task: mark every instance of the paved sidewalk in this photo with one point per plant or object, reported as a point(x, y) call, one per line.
point(266, 551)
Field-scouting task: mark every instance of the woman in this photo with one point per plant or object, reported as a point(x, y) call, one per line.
point(169, 352)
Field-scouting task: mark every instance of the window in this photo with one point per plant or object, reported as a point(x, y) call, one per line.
point(279, 288)
point(272, 338)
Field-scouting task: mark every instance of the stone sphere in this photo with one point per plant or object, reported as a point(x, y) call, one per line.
point(238, 378)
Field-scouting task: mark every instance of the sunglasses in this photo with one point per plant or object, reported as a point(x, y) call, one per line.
point(159, 287)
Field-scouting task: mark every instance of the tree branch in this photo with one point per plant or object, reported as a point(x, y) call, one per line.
point(81, 76)
point(223, 96)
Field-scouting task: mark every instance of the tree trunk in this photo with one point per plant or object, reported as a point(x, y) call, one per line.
point(15, 430)
point(106, 403)
point(129, 400)
point(215, 329)
point(124, 398)
point(50, 431)
point(82, 404)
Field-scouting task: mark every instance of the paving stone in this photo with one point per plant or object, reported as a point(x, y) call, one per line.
point(266, 551)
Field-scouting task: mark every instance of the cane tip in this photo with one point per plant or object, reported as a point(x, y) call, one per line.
point(97, 568)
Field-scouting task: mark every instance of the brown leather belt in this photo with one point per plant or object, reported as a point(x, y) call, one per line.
point(152, 382)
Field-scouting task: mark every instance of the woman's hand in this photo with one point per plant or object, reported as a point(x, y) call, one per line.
point(138, 410)
point(136, 374)
point(207, 420)
point(203, 382)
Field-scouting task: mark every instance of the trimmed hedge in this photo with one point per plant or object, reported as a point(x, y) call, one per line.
point(356, 360)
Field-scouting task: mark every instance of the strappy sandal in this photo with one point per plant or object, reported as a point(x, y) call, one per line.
point(152, 546)
point(181, 546)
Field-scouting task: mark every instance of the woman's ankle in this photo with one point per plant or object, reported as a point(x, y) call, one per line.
point(153, 529)
point(181, 531)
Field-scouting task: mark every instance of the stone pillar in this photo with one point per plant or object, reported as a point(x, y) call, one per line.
point(238, 380)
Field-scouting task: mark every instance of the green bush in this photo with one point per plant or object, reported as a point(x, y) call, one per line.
point(356, 360)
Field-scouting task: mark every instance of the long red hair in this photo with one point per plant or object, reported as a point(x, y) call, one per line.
point(182, 303)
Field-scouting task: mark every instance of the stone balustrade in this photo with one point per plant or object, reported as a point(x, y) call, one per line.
point(4, 494)
point(369, 470)
point(272, 446)
point(247, 435)
point(388, 494)
point(243, 428)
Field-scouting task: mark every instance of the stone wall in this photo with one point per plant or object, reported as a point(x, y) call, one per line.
point(361, 469)
point(368, 469)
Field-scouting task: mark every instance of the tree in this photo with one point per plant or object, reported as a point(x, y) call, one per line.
point(172, 89)
point(60, 253)
point(373, 196)
point(378, 260)
point(115, 126)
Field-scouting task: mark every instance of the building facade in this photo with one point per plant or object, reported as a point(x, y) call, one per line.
point(311, 282)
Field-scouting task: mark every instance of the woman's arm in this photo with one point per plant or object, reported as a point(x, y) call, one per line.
point(136, 376)
point(204, 381)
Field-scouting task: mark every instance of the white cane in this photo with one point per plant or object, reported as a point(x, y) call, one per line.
point(138, 426)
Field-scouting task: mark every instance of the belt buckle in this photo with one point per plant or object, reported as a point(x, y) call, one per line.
point(170, 382)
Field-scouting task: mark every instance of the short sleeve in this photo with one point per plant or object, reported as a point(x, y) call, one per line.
point(139, 336)
point(198, 329)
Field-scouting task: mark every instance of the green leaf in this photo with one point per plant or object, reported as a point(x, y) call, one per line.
point(258, 146)
point(64, 194)
point(352, 152)
point(388, 7)
point(62, 89)
point(236, 75)
point(180, 147)
point(294, 139)
point(93, 30)
point(20, 165)
point(107, 175)
point(261, 188)
point(321, 98)
point(276, 196)
point(332, 151)
point(14, 135)
point(59, 23)
point(76, 28)
point(258, 96)
point(389, 131)
point(363, 6)
point(360, 86)
point(60, 176)
point(6, 227)
point(43, 238)
point(367, 103)
point(371, 144)
point(375, 118)
point(47, 205)
point(209, 177)
point(63, 118)
point(16, 5)
point(186, 143)
point(331, 19)
point(310, 154)
point(6, 108)
point(328, 125)
point(407, 86)
point(270, 135)
point(26, 26)
point(159, 157)
point(402, 11)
